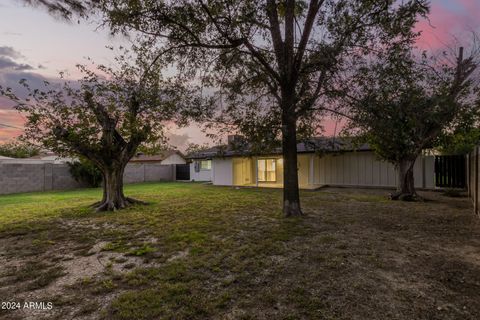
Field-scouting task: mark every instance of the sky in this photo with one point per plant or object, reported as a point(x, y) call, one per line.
point(36, 46)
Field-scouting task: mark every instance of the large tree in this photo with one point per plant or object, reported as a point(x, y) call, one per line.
point(272, 61)
point(106, 116)
point(402, 101)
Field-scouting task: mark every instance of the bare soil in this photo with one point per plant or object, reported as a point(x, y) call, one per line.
point(355, 255)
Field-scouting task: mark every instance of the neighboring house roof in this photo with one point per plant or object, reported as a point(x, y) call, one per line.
point(140, 157)
point(317, 144)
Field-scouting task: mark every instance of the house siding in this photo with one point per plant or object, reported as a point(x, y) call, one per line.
point(303, 164)
point(362, 169)
point(222, 172)
point(202, 175)
point(366, 170)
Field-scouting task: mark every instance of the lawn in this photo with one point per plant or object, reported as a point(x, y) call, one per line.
point(206, 252)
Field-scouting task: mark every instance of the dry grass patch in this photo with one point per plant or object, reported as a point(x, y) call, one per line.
point(204, 252)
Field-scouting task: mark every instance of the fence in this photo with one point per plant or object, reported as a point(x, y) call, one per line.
point(450, 171)
point(474, 177)
point(27, 176)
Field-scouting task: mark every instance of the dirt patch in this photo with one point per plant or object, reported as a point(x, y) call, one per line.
point(90, 266)
point(179, 255)
point(355, 255)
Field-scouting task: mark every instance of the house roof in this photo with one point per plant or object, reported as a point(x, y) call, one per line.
point(313, 145)
point(140, 157)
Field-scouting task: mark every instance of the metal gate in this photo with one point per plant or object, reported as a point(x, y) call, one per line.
point(450, 171)
point(182, 171)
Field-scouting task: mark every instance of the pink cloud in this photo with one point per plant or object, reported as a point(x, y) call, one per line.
point(445, 24)
point(332, 127)
point(12, 118)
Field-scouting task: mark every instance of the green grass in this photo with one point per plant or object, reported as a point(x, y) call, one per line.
point(200, 252)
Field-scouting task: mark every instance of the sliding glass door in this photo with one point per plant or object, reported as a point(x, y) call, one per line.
point(266, 169)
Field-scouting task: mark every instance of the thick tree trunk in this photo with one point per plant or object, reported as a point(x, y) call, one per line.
point(291, 194)
point(405, 182)
point(113, 197)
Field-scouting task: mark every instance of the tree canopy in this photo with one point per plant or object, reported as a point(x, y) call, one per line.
point(18, 149)
point(65, 9)
point(107, 115)
point(402, 101)
point(463, 135)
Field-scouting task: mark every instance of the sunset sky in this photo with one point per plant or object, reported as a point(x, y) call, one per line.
point(35, 46)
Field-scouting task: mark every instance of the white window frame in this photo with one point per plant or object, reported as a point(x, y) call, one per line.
point(209, 166)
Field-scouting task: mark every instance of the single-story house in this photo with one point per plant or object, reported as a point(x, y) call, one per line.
point(163, 157)
point(201, 164)
point(321, 162)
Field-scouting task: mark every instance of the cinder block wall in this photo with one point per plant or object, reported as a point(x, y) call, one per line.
point(30, 177)
point(148, 172)
point(134, 173)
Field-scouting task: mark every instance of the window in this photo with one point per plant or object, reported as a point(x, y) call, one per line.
point(266, 169)
point(206, 165)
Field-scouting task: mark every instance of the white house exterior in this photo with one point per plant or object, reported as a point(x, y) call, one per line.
point(201, 170)
point(223, 173)
point(340, 166)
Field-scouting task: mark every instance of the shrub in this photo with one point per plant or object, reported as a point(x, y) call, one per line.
point(86, 172)
point(18, 149)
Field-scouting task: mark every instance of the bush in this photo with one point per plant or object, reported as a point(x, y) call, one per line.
point(18, 149)
point(85, 171)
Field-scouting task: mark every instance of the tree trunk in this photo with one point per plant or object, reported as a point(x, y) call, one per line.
point(291, 194)
point(113, 197)
point(405, 182)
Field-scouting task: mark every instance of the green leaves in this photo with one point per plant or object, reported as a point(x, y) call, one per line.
point(85, 171)
point(18, 149)
point(402, 102)
point(109, 112)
